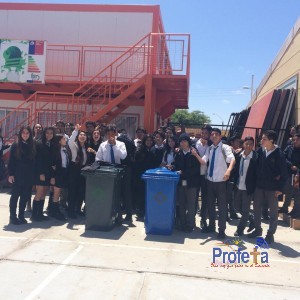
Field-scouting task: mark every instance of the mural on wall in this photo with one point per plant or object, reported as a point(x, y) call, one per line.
point(22, 61)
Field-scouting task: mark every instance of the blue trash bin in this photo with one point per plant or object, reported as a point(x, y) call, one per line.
point(160, 200)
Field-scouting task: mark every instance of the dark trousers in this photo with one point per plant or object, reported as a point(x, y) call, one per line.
point(126, 190)
point(204, 203)
point(24, 192)
point(76, 193)
point(229, 197)
point(217, 191)
point(186, 199)
point(242, 202)
point(291, 193)
point(262, 197)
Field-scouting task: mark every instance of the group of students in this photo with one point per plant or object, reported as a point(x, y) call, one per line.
point(229, 177)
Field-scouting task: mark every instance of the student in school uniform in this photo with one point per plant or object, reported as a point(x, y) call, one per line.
point(188, 166)
point(21, 173)
point(78, 147)
point(61, 158)
point(43, 173)
point(159, 148)
point(244, 174)
point(271, 177)
point(220, 161)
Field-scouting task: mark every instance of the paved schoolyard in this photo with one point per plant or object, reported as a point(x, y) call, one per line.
point(54, 260)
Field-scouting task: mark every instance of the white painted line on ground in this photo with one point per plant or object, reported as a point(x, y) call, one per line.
point(141, 248)
point(55, 273)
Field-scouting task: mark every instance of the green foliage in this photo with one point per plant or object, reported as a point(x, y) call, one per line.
point(183, 116)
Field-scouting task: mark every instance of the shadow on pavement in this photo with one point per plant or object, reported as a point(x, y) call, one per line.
point(285, 250)
point(115, 234)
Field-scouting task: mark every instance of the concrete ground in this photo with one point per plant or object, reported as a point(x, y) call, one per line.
point(55, 260)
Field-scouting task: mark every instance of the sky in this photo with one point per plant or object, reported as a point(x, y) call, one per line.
point(231, 40)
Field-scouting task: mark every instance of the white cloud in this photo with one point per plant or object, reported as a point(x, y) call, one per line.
point(226, 101)
point(238, 92)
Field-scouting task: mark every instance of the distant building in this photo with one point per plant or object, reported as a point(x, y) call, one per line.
point(275, 103)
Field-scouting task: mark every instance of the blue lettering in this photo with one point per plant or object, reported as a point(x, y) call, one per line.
point(245, 257)
point(264, 258)
point(216, 253)
point(231, 260)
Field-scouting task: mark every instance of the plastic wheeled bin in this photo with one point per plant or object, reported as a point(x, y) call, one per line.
point(102, 196)
point(161, 187)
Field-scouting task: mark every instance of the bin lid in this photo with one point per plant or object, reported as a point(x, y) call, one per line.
point(109, 169)
point(161, 173)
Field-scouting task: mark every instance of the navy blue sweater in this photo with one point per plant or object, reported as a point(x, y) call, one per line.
point(271, 171)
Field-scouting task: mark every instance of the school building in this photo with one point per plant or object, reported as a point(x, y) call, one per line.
point(104, 63)
point(275, 103)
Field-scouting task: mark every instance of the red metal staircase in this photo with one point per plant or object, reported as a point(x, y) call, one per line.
point(115, 88)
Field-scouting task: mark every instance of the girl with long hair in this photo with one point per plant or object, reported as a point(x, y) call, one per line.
point(169, 155)
point(78, 146)
point(43, 173)
point(61, 165)
point(94, 145)
point(21, 173)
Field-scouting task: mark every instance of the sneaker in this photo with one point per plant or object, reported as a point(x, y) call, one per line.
point(269, 238)
point(14, 221)
point(255, 233)
point(221, 235)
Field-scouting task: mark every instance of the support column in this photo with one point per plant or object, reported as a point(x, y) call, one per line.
point(149, 108)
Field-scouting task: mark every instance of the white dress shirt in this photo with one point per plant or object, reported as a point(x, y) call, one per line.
point(242, 177)
point(103, 153)
point(201, 150)
point(74, 147)
point(220, 164)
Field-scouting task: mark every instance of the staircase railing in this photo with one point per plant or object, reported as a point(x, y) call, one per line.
point(160, 54)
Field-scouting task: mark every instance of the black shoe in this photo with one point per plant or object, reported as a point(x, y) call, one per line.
point(269, 238)
point(208, 229)
point(188, 229)
point(255, 233)
point(283, 210)
point(128, 218)
point(251, 225)
point(234, 216)
point(221, 235)
point(22, 220)
point(239, 233)
point(14, 221)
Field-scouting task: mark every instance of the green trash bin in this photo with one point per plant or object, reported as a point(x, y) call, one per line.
point(102, 196)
